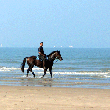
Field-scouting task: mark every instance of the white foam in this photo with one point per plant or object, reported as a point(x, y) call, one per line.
point(84, 73)
point(24, 76)
point(40, 77)
point(13, 69)
point(100, 74)
point(107, 75)
point(40, 71)
point(6, 69)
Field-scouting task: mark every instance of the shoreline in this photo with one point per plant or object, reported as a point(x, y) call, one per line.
point(56, 98)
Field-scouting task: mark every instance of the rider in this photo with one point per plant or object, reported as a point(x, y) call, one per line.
point(42, 56)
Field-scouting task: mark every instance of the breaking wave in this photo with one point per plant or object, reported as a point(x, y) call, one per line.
point(40, 70)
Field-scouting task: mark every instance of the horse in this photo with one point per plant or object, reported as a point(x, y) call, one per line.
point(33, 61)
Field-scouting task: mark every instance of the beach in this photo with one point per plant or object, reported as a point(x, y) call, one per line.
point(53, 98)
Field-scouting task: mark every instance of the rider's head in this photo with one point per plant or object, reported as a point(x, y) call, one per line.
point(41, 44)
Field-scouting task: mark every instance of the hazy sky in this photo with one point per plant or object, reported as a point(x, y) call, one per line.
point(80, 23)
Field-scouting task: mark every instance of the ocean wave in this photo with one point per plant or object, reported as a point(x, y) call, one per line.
point(40, 71)
point(91, 74)
point(13, 69)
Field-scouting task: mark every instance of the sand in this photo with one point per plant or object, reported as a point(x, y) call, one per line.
point(53, 98)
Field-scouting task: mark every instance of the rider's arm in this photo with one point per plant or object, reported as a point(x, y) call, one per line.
point(41, 54)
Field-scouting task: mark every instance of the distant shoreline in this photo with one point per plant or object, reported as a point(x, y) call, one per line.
point(59, 47)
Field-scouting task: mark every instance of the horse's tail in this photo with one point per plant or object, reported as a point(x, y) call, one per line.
point(23, 64)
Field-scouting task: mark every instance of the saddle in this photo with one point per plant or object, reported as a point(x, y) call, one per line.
point(41, 58)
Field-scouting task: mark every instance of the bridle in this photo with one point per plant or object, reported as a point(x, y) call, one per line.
point(53, 57)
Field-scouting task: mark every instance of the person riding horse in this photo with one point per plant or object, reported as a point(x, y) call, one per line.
point(42, 56)
point(32, 61)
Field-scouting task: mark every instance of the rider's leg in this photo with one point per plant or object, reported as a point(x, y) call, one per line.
point(44, 66)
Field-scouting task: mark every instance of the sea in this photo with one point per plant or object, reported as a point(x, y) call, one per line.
point(80, 68)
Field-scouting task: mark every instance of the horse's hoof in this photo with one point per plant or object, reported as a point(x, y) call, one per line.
point(34, 75)
point(40, 76)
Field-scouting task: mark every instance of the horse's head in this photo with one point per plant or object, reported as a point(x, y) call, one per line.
point(56, 55)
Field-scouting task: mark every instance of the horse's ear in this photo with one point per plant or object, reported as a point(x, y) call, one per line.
point(58, 51)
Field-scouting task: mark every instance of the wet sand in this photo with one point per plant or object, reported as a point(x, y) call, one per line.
point(53, 98)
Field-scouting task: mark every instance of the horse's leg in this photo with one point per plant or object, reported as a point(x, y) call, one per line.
point(33, 74)
point(44, 72)
point(31, 71)
point(28, 71)
point(50, 69)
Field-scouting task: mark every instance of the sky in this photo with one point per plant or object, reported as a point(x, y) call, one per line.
point(77, 23)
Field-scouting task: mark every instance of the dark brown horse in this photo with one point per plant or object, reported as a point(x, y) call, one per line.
point(32, 61)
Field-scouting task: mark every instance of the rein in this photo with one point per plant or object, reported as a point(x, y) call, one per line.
point(55, 62)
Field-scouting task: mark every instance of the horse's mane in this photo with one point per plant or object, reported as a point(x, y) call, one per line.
point(51, 53)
